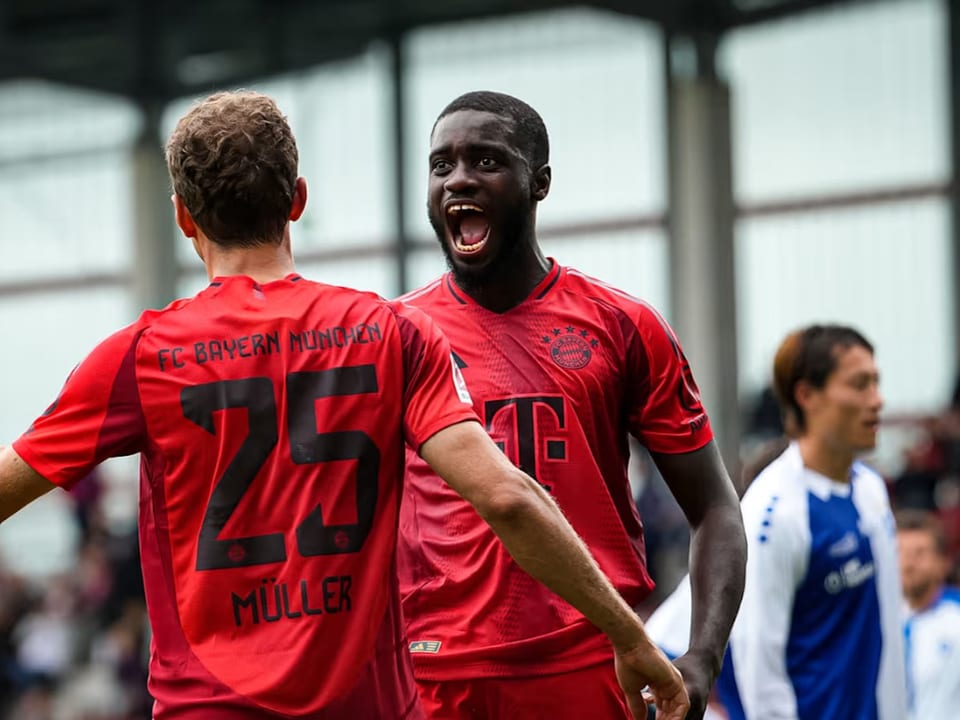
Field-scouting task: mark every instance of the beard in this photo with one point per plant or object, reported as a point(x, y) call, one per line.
point(514, 235)
point(919, 589)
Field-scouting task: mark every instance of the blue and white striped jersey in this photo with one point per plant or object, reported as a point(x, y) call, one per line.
point(933, 658)
point(819, 634)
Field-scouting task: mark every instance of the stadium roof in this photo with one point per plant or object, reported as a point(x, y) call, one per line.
point(155, 50)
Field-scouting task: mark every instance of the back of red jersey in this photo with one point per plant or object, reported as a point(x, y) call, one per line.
point(272, 422)
point(559, 381)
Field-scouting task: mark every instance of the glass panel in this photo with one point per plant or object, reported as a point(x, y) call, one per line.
point(42, 120)
point(840, 100)
point(425, 265)
point(53, 332)
point(68, 216)
point(884, 270)
point(65, 183)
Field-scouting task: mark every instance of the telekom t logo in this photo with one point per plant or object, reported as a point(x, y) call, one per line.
point(523, 411)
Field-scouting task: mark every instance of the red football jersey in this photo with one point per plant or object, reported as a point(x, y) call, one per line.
point(559, 381)
point(271, 421)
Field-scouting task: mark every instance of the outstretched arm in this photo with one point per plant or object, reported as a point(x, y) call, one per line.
point(543, 543)
point(718, 554)
point(19, 483)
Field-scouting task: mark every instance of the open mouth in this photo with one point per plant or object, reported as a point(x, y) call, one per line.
point(468, 227)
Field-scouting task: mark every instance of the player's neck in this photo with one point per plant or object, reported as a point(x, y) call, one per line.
point(830, 462)
point(510, 285)
point(263, 263)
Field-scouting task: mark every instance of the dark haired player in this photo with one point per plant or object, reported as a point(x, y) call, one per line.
point(820, 634)
point(562, 368)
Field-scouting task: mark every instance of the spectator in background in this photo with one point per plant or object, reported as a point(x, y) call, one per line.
point(764, 420)
point(819, 634)
point(86, 495)
point(14, 605)
point(933, 618)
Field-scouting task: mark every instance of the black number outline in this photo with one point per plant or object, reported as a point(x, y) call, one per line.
point(307, 446)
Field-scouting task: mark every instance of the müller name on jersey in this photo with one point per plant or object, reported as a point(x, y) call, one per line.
point(269, 343)
point(274, 601)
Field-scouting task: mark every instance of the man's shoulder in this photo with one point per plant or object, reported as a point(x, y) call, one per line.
point(866, 473)
point(582, 288)
point(776, 496)
point(944, 614)
point(426, 295)
point(342, 294)
point(593, 289)
point(152, 315)
point(951, 598)
point(778, 475)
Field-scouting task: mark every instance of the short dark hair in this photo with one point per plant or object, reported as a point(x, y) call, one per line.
point(233, 161)
point(924, 521)
point(810, 355)
point(528, 129)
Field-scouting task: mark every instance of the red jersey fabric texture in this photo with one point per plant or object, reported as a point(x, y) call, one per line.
point(590, 693)
point(559, 382)
point(271, 421)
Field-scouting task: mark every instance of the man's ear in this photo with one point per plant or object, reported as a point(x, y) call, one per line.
point(805, 394)
point(541, 182)
point(299, 199)
point(184, 219)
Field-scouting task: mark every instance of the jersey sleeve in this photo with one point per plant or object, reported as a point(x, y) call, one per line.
point(665, 411)
point(96, 416)
point(435, 393)
point(777, 561)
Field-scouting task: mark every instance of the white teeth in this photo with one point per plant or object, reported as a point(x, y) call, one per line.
point(469, 248)
point(457, 209)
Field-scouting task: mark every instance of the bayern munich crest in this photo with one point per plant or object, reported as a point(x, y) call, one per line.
point(570, 348)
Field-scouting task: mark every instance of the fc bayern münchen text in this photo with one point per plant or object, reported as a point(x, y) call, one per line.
point(269, 343)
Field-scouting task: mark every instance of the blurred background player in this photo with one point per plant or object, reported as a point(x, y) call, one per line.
point(819, 632)
point(562, 369)
point(932, 630)
point(271, 413)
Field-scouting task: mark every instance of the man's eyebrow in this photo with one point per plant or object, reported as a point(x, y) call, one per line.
point(475, 146)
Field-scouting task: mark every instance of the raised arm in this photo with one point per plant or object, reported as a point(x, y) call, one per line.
point(718, 553)
point(543, 543)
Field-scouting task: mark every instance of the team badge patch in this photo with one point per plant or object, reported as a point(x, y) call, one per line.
point(570, 348)
point(425, 646)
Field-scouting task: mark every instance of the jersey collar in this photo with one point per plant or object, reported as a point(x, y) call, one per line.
point(542, 289)
point(820, 485)
point(224, 279)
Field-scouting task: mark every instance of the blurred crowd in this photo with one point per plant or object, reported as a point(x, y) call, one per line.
point(74, 646)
